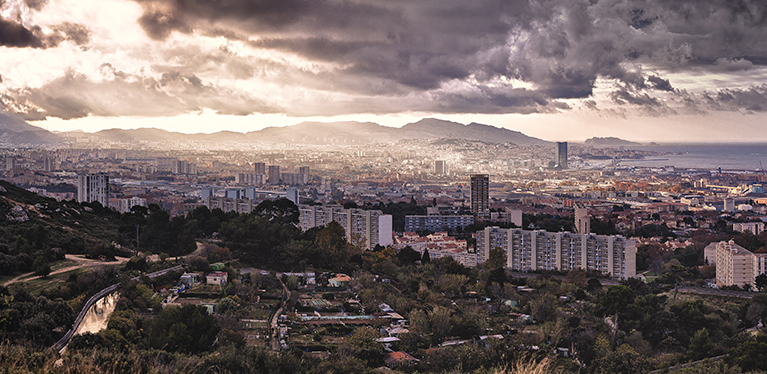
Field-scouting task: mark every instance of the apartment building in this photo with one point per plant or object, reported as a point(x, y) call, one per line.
point(737, 266)
point(366, 228)
point(530, 250)
point(93, 187)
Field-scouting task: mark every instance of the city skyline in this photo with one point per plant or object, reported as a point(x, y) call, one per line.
point(568, 71)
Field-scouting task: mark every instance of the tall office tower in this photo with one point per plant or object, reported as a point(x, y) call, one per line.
point(93, 187)
point(274, 174)
point(305, 171)
point(582, 220)
point(10, 163)
point(561, 155)
point(48, 164)
point(480, 195)
point(292, 195)
point(440, 168)
point(260, 168)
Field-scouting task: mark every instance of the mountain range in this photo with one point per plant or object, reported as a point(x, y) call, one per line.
point(16, 132)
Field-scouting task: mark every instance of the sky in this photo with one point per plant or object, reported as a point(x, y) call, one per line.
point(644, 70)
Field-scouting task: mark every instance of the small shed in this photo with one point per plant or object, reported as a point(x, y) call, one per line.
point(217, 277)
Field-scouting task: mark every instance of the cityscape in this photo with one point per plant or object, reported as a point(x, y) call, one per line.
point(361, 186)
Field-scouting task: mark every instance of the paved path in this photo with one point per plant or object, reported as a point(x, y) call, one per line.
point(275, 342)
point(84, 262)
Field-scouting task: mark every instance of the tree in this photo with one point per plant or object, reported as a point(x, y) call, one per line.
point(41, 266)
point(363, 342)
point(700, 345)
point(183, 329)
point(761, 282)
point(426, 258)
point(408, 256)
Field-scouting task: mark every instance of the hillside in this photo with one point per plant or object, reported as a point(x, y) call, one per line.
point(17, 132)
point(609, 141)
point(32, 226)
point(333, 133)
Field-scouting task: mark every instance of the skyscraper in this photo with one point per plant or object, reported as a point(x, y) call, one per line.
point(440, 167)
point(480, 195)
point(274, 174)
point(260, 168)
point(93, 187)
point(561, 155)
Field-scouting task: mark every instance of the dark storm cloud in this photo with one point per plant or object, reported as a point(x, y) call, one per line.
point(433, 55)
point(560, 46)
point(119, 94)
point(15, 35)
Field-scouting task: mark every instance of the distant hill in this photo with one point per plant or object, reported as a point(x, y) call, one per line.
point(15, 131)
point(609, 142)
point(339, 133)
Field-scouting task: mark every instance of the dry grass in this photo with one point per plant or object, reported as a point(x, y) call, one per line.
point(527, 366)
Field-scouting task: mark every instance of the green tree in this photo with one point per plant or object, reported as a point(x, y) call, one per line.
point(426, 258)
point(186, 329)
point(700, 345)
point(41, 266)
point(363, 343)
point(761, 282)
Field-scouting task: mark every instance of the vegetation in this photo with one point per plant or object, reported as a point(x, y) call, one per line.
point(478, 320)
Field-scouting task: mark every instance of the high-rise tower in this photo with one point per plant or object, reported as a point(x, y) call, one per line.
point(480, 195)
point(561, 155)
point(440, 167)
point(93, 187)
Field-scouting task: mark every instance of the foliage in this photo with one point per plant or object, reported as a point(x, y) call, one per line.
point(183, 329)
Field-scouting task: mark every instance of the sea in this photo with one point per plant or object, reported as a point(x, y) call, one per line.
point(705, 156)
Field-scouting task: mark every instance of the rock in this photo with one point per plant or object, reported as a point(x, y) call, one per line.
point(17, 214)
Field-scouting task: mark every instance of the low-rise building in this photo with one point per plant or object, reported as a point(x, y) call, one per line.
point(217, 277)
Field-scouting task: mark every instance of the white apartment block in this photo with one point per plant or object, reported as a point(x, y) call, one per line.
point(367, 228)
point(531, 250)
point(755, 228)
point(93, 187)
point(737, 266)
point(228, 204)
point(125, 205)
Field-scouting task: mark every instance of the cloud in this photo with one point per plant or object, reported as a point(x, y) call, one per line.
point(119, 94)
point(15, 35)
point(377, 56)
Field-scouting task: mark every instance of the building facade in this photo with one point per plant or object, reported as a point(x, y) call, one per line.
point(435, 222)
point(480, 196)
point(560, 155)
point(530, 250)
point(755, 228)
point(259, 168)
point(274, 174)
point(365, 228)
point(440, 167)
point(582, 220)
point(93, 187)
point(125, 205)
point(737, 266)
